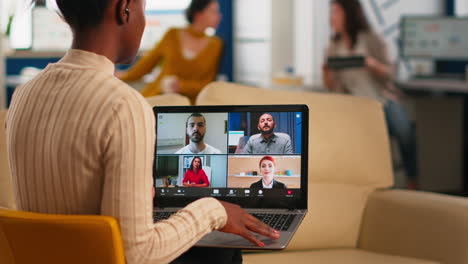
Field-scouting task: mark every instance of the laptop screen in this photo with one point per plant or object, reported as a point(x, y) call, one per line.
point(251, 155)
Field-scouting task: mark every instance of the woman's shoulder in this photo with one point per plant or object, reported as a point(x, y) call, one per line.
point(372, 38)
point(257, 184)
point(217, 39)
point(333, 45)
point(215, 42)
point(173, 31)
point(280, 185)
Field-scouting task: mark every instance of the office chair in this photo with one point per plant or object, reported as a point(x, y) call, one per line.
point(42, 238)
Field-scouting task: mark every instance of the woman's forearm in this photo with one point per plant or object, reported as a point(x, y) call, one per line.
point(328, 78)
point(380, 70)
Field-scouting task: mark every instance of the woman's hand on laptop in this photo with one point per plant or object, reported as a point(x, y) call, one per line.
point(241, 223)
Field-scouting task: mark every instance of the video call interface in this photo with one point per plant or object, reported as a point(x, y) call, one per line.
point(235, 154)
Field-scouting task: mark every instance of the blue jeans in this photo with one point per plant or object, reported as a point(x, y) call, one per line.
point(400, 126)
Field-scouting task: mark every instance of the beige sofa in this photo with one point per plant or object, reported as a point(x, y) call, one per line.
point(354, 216)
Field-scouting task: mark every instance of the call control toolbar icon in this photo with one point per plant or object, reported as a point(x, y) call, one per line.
point(260, 192)
point(216, 191)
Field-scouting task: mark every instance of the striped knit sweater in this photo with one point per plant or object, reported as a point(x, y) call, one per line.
point(81, 141)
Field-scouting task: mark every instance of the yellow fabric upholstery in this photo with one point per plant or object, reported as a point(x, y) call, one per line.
point(56, 239)
point(6, 191)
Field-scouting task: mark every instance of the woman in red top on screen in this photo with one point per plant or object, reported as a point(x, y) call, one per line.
point(195, 175)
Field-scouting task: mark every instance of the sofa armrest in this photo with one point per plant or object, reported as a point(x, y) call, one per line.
point(416, 224)
point(7, 198)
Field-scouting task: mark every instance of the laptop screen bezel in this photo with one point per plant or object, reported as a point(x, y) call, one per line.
point(246, 202)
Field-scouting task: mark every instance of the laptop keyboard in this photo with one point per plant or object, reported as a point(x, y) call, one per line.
point(158, 216)
point(280, 222)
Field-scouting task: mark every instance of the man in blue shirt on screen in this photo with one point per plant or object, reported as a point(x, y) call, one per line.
point(268, 142)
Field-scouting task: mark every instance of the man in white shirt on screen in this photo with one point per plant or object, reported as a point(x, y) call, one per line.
point(196, 129)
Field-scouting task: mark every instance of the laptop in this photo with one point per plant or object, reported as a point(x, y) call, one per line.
point(268, 178)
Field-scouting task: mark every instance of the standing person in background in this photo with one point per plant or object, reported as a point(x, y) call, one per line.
point(189, 57)
point(353, 36)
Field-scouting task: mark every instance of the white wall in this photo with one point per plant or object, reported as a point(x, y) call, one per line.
point(282, 35)
point(2, 59)
point(216, 128)
point(21, 28)
point(218, 166)
point(4, 11)
point(461, 7)
point(263, 39)
point(2, 77)
point(311, 33)
point(252, 39)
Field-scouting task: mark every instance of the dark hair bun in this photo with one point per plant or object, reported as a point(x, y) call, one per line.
point(195, 7)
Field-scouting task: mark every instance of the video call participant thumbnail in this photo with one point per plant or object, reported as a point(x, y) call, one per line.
point(196, 129)
point(267, 167)
point(268, 142)
point(195, 175)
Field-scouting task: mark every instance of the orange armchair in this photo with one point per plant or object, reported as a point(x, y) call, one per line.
point(56, 239)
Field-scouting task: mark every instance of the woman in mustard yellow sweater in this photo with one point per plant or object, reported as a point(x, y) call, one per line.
point(189, 58)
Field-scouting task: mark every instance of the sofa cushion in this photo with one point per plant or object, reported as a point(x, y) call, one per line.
point(336, 256)
point(334, 217)
point(416, 224)
point(168, 99)
point(6, 190)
